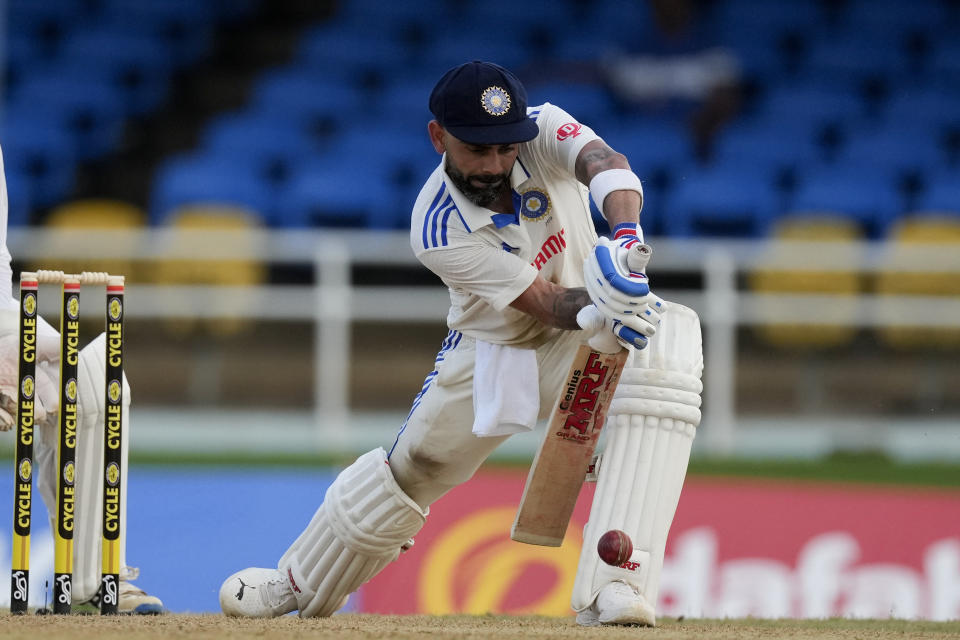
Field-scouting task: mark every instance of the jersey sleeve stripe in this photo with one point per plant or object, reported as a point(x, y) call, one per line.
point(431, 217)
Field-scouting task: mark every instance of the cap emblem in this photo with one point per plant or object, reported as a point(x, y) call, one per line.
point(495, 101)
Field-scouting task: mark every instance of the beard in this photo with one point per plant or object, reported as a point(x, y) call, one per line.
point(484, 195)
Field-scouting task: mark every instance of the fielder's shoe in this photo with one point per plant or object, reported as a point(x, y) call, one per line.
point(135, 600)
point(130, 598)
point(617, 603)
point(257, 593)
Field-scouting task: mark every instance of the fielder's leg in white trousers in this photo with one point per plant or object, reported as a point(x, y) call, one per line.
point(87, 536)
point(649, 433)
point(375, 507)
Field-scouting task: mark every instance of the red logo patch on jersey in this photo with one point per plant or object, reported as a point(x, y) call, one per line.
point(568, 130)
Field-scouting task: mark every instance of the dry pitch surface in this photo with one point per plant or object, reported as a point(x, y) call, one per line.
point(421, 627)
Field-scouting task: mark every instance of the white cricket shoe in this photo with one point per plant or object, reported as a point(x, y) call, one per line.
point(257, 593)
point(618, 603)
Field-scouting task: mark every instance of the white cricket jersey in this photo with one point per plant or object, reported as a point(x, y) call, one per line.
point(487, 259)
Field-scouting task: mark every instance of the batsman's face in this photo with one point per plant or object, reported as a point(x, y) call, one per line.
point(480, 171)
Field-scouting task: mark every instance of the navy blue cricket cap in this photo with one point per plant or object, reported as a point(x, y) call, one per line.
point(482, 103)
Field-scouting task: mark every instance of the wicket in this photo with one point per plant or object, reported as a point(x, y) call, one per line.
point(67, 438)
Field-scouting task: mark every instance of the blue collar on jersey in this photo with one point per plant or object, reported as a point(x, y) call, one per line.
point(518, 175)
point(501, 220)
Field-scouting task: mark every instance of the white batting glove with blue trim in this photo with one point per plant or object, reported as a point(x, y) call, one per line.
point(607, 335)
point(617, 284)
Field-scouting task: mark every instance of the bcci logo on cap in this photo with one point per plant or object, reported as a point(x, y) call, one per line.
point(495, 101)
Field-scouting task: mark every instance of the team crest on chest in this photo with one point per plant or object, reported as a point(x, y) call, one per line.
point(534, 204)
point(495, 101)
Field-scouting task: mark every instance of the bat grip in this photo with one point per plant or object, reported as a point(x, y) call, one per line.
point(638, 256)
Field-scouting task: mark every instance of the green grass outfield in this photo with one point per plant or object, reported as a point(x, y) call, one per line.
point(847, 468)
point(419, 627)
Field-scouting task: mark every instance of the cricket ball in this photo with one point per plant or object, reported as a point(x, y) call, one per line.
point(615, 547)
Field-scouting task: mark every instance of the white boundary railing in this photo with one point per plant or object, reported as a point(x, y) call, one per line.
point(334, 304)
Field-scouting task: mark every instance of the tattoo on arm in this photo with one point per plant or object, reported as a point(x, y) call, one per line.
point(567, 305)
point(594, 159)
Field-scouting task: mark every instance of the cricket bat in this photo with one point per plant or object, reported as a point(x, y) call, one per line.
point(561, 463)
point(560, 466)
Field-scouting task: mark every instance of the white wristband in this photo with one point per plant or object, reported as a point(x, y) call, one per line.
point(613, 180)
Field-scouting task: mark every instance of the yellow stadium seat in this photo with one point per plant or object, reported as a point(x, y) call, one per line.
point(833, 247)
point(233, 227)
point(95, 214)
point(929, 237)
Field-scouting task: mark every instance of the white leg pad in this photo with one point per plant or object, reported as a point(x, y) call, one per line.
point(359, 529)
point(88, 532)
point(649, 433)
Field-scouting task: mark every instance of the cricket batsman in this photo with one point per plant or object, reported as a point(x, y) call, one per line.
point(504, 221)
point(89, 452)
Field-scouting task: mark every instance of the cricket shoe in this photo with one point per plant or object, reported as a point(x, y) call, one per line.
point(257, 593)
point(618, 603)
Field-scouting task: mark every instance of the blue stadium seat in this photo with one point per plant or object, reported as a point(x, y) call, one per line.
point(449, 49)
point(209, 180)
point(41, 154)
point(812, 103)
point(308, 97)
point(184, 26)
point(778, 141)
point(19, 206)
point(855, 58)
point(590, 104)
point(406, 103)
point(891, 16)
point(331, 193)
point(721, 201)
point(945, 65)
point(942, 193)
point(91, 108)
point(273, 143)
point(348, 51)
point(142, 72)
point(926, 105)
point(912, 146)
point(868, 194)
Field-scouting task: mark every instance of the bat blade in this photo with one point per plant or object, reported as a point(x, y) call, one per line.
point(560, 465)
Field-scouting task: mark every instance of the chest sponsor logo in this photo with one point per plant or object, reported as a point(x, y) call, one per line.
point(552, 246)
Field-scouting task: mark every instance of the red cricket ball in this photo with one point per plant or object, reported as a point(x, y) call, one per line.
point(615, 547)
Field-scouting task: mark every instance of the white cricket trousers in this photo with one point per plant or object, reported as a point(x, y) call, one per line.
point(436, 449)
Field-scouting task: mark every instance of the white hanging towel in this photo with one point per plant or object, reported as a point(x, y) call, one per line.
point(506, 390)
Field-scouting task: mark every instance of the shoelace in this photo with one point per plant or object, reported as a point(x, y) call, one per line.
point(276, 590)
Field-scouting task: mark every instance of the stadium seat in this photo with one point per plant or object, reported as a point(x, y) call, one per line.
point(869, 195)
point(98, 215)
point(19, 208)
point(922, 258)
point(210, 180)
point(89, 107)
point(724, 201)
point(590, 104)
point(941, 192)
point(142, 73)
point(833, 255)
point(234, 227)
point(308, 97)
point(41, 153)
point(184, 26)
point(330, 193)
point(272, 142)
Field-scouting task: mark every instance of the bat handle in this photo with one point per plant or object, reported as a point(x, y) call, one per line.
point(638, 256)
